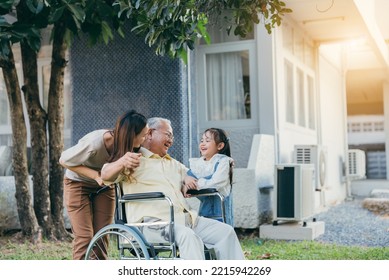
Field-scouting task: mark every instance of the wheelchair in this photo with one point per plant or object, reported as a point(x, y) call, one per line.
point(125, 241)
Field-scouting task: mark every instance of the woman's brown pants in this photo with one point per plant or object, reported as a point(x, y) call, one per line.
point(87, 215)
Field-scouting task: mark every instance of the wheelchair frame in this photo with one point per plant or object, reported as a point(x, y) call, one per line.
point(124, 241)
point(126, 237)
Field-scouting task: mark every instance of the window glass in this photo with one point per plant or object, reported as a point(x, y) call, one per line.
point(299, 78)
point(309, 55)
point(289, 92)
point(299, 46)
point(311, 103)
point(228, 86)
point(287, 37)
point(301, 98)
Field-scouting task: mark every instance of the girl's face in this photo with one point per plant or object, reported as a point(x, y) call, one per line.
point(208, 146)
point(140, 138)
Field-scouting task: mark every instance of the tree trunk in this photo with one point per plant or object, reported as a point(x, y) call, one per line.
point(38, 122)
point(28, 221)
point(56, 127)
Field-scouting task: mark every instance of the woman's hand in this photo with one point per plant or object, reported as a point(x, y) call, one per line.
point(130, 160)
point(98, 179)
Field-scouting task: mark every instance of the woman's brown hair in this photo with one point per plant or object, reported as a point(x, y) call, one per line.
point(127, 127)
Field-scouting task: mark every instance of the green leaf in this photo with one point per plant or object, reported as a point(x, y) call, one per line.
point(57, 14)
point(6, 4)
point(78, 12)
point(183, 54)
point(35, 9)
point(106, 32)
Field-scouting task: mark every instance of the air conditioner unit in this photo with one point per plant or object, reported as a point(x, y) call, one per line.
point(316, 155)
point(356, 164)
point(293, 193)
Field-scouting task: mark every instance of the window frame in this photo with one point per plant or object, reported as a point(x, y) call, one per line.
point(239, 46)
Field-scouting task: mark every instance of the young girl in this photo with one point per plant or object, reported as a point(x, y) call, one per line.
point(214, 170)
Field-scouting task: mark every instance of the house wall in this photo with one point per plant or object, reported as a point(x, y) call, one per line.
point(330, 111)
point(333, 122)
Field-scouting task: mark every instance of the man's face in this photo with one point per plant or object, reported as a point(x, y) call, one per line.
point(161, 139)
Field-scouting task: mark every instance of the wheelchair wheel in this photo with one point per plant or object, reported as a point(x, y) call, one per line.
point(117, 242)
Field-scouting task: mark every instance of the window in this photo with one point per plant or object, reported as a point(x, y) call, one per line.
point(228, 86)
point(225, 74)
point(225, 83)
point(299, 81)
point(301, 98)
point(287, 37)
point(289, 85)
point(376, 165)
point(311, 103)
point(297, 45)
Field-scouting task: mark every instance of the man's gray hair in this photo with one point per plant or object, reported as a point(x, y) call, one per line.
point(156, 122)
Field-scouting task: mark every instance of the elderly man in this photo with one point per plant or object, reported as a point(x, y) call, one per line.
point(158, 172)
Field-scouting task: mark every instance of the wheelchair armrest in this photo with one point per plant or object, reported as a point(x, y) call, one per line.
point(143, 196)
point(202, 191)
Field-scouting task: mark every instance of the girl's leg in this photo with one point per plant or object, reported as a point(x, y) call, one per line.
point(210, 206)
point(229, 210)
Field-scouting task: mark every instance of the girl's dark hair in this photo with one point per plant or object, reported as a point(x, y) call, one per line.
point(220, 136)
point(127, 127)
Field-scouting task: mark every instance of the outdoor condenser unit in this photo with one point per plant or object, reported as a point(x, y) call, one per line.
point(316, 155)
point(356, 164)
point(294, 192)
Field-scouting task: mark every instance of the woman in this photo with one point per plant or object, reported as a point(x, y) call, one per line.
point(89, 203)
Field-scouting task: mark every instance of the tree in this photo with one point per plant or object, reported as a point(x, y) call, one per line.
point(168, 26)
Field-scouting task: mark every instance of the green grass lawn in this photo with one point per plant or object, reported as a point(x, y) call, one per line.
point(14, 248)
point(256, 249)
